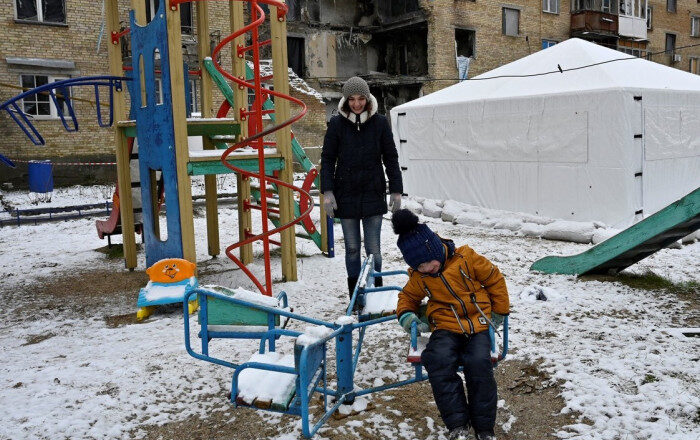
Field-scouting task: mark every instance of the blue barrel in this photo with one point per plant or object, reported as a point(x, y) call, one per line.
point(40, 176)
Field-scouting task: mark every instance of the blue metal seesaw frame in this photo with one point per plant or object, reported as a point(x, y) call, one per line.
point(310, 360)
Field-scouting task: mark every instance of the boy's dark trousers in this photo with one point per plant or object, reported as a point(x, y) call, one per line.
point(445, 352)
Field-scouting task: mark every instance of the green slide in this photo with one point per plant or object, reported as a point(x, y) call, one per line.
point(297, 149)
point(635, 243)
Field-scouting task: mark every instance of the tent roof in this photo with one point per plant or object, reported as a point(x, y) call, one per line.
point(626, 72)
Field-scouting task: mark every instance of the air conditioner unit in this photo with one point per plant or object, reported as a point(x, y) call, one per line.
point(676, 58)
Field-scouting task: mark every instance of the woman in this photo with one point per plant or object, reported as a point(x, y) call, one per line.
point(358, 141)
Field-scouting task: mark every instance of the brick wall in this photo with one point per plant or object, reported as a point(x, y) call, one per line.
point(677, 23)
point(493, 49)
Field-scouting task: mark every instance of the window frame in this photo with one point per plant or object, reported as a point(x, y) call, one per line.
point(669, 4)
point(549, 41)
point(473, 31)
point(194, 96)
point(675, 40)
point(53, 111)
point(696, 62)
point(695, 26)
point(503, 21)
point(40, 13)
point(650, 15)
point(548, 8)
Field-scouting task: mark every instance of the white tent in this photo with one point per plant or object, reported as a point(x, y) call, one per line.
point(613, 142)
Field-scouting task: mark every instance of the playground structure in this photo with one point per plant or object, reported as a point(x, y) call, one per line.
point(239, 143)
point(287, 384)
point(635, 243)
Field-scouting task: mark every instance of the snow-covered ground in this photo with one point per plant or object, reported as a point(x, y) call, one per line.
point(603, 341)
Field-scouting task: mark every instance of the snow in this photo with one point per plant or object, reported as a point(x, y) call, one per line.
point(540, 293)
point(617, 351)
point(159, 291)
point(379, 303)
point(266, 385)
point(345, 320)
point(313, 334)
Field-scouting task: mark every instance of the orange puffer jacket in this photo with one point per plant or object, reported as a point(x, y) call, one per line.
point(466, 278)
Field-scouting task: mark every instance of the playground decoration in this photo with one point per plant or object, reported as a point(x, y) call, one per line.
point(286, 384)
point(635, 243)
point(170, 282)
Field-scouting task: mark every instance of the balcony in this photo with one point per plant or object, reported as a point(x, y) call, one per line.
point(633, 27)
point(587, 22)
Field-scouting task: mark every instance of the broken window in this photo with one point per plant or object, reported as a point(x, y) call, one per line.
point(402, 51)
point(48, 11)
point(294, 10)
point(670, 43)
point(186, 25)
point(295, 55)
point(389, 9)
point(511, 22)
point(402, 59)
point(466, 42)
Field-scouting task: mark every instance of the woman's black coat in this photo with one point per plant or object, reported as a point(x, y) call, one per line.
point(351, 165)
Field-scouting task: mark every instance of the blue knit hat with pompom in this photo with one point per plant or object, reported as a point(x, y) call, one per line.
point(417, 242)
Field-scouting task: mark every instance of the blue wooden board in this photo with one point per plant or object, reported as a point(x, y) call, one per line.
point(156, 134)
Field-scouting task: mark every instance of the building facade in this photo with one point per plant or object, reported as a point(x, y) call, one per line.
point(44, 41)
point(404, 49)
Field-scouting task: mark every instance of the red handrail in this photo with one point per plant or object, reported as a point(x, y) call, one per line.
point(256, 139)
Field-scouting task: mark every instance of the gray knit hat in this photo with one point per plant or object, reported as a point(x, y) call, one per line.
point(355, 86)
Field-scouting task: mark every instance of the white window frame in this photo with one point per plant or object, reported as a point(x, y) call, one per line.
point(636, 9)
point(695, 25)
point(53, 111)
point(650, 15)
point(159, 91)
point(40, 13)
point(194, 96)
point(503, 21)
point(550, 6)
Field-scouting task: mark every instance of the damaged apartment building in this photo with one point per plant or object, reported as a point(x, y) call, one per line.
point(408, 48)
point(383, 41)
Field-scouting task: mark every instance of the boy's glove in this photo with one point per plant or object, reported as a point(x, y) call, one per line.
point(394, 202)
point(329, 203)
point(497, 319)
point(409, 318)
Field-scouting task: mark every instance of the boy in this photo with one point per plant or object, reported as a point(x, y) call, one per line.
point(466, 293)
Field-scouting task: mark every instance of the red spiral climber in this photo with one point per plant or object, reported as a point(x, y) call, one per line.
point(256, 134)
